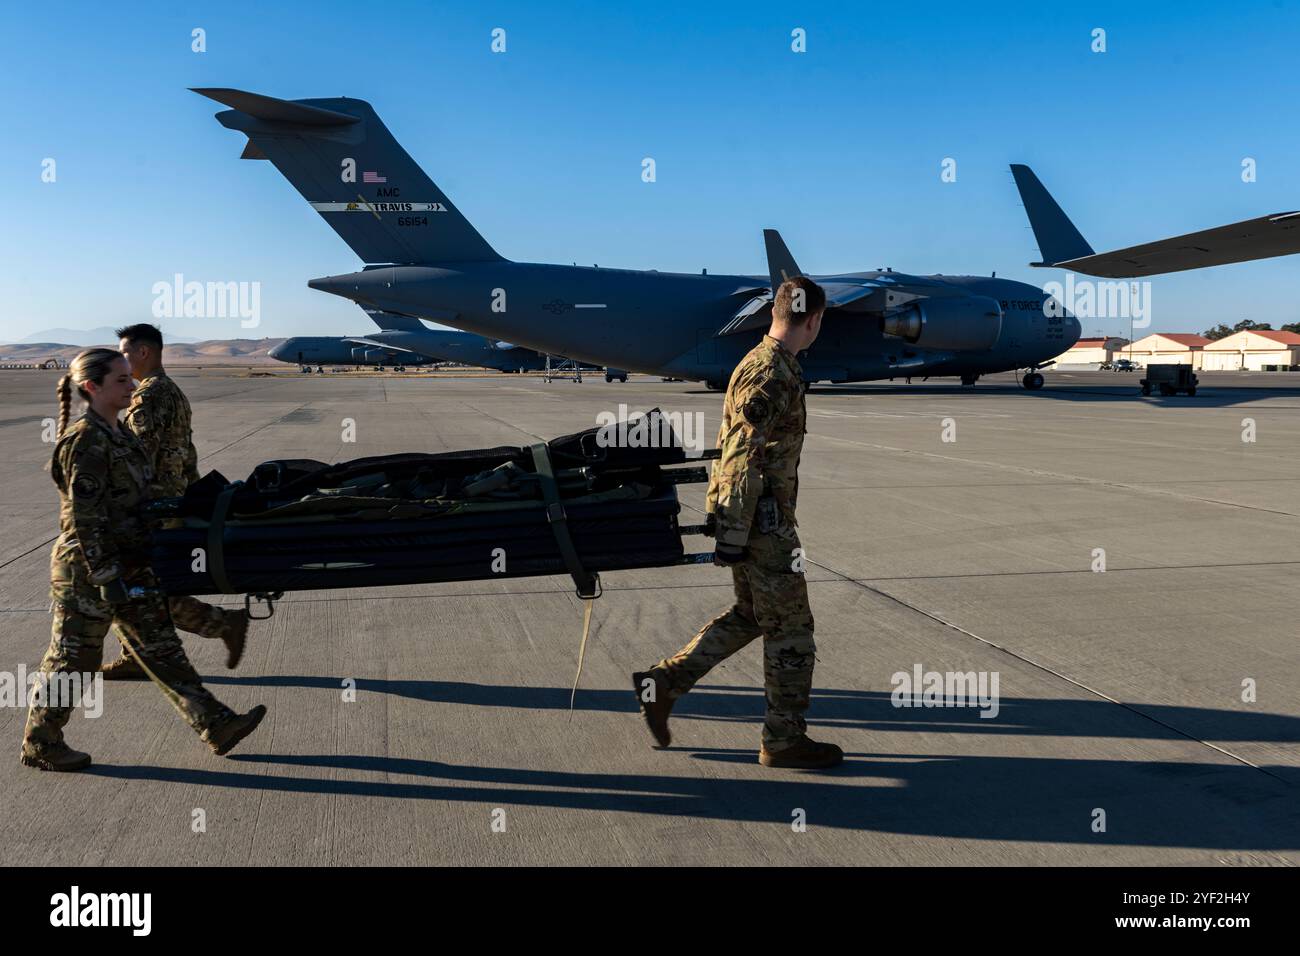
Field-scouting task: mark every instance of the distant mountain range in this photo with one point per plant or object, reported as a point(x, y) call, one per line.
point(88, 337)
point(215, 352)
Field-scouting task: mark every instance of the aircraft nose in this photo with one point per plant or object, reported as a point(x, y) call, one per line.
point(277, 352)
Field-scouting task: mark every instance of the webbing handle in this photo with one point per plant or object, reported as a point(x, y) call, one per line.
point(217, 538)
point(586, 583)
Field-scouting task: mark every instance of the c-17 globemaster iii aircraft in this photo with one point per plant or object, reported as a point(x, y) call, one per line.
point(405, 340)
point(424, 259)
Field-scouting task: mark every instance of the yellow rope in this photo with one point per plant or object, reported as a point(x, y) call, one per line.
point(582, 650)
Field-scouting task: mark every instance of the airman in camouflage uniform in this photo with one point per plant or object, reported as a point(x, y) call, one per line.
point(751, 507)
point(160, 418)
point(100, 576)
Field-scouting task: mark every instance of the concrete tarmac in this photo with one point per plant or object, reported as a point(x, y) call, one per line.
point(1146, 714)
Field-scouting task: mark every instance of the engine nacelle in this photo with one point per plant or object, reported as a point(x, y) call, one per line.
point(962, 323)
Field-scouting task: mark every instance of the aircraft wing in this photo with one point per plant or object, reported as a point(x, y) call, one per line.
point(1063, 247)
point(850, 295)
point(1262, 238)
point(371, 343)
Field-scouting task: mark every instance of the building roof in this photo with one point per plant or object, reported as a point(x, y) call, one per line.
point(1236, 340)
point(1187, 340)
point(1285, 338)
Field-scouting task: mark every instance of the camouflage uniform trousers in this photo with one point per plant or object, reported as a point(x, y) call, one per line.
point(81, 621)
point(193, 616)
point(772, 601)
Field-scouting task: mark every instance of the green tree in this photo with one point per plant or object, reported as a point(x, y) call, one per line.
point(1222, 331)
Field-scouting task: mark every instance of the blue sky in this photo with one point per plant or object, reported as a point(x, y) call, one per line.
point(541, 147)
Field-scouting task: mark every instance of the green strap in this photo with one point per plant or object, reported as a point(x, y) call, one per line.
point(588, 584)
point(217, 539)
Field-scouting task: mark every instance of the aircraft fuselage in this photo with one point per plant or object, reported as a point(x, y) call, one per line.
point(668, 323)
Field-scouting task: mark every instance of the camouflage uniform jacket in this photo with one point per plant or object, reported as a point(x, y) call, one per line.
point(103, 477)
point(763, 424)
point(159, 417)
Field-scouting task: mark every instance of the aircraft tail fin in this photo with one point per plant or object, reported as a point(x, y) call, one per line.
point(347, 165)
point(1058, 239)
point(780, 264)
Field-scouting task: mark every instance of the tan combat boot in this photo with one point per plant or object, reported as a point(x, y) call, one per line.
point(656, 711)
point(223, 737)
point(804, 754)
point(60, 758)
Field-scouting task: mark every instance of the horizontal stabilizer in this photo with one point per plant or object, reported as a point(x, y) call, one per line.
point(393, 321)
point(347, 165)
point(273, 110)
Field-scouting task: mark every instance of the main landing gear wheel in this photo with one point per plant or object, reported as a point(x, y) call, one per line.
point(715, 386)
point(969, 379)
point(1032, 381)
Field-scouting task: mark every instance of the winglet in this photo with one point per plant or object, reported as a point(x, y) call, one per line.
point(1058, 240)
point(780, 264)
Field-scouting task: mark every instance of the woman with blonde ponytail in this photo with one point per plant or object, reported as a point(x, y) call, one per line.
point(100, 576)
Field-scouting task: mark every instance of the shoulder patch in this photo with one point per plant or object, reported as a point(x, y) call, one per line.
point(757, 411)
point(86, 486)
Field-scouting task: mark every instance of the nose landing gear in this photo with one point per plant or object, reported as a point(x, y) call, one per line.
point(1032, 381)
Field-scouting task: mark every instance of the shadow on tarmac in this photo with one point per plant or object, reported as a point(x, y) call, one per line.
point(1042, 799)
point(1045, 800)
point(850, 709)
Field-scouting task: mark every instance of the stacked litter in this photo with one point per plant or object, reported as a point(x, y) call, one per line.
point(574, 505)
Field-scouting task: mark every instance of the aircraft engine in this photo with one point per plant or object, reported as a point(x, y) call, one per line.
point(966, 323)
point(375, 356)
point(358, 354)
